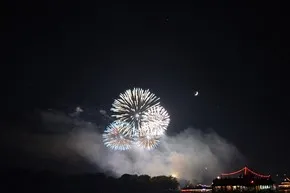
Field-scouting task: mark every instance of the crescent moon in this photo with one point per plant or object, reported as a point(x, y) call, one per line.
point(196, 93)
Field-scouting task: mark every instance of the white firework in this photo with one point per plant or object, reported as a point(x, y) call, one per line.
point(131, 106)
point(139, 120)
point(148, 141)
point(114, 137)
point(155, 121)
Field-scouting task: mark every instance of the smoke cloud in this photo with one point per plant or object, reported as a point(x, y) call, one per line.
point(192, 154)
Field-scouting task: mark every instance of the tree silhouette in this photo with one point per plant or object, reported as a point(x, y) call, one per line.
point(21, 180)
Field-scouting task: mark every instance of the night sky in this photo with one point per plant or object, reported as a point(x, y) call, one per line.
point(61, 55)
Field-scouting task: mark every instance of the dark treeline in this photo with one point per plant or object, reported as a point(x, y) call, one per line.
point(48, 182)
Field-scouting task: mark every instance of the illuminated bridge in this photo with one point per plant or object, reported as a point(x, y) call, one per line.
point(243, 180)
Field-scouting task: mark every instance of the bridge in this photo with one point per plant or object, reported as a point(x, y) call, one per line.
point(245, 171)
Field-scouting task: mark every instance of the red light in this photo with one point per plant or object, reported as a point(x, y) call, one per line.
point(246, 170)
point(252, 182)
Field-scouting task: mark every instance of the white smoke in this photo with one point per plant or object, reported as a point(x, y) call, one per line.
point(191, 154)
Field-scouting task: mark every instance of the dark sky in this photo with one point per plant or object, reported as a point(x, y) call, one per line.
point(59, 55)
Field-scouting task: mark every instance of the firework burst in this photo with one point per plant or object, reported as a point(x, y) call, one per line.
point(114, 137)
point(155, 120)
point(131, 106)
point(139, 120)
point(148, 142)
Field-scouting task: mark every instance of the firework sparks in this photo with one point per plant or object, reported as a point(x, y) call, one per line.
point(140, 120)
point(148, 142)
point(114, 137)
point(131, 106)
point(155, 120)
